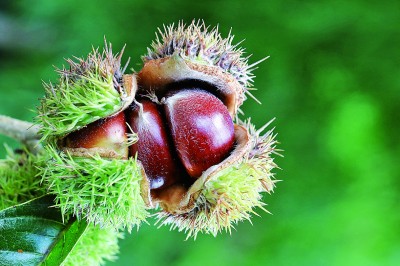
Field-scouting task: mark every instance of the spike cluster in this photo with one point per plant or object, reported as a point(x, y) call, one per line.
point(19, 179)
point(89, 89)
point(102, 191)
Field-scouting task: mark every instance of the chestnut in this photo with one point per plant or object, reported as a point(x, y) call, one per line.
point(154, 148)
point(107, 135)
point(201, 128)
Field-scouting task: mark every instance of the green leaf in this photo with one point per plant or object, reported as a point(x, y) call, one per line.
point(33, 233)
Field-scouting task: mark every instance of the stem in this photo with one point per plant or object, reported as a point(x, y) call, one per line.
point(24, 132)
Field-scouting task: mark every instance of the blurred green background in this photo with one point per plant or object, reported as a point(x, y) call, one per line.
point(332, 82)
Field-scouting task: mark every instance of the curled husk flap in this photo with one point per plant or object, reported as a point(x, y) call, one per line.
point(228, 192)
point(194, 53)
point(158, 74)
point(88, 90)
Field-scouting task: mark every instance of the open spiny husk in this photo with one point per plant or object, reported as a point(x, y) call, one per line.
point(229, 191)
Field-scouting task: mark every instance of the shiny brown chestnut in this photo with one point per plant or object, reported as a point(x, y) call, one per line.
point(201, 127)
point(107, 136)
point(154, 148)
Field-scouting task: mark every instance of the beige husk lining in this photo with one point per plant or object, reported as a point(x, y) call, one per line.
point(177, 199)
point(158, 73)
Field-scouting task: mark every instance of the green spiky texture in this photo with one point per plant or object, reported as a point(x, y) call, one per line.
point(197, 43)
point(102, 191)
point(88, 90)
point(232, 194)
point(95, 247)
point(18, 178)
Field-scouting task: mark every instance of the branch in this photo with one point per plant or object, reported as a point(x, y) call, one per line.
point(22, 131)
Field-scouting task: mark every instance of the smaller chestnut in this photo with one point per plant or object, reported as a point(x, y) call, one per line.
point(108, 133)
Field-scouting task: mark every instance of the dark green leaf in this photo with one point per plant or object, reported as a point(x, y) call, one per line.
point(33, 233)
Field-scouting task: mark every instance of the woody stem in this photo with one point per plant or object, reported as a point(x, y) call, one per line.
point(22, 131)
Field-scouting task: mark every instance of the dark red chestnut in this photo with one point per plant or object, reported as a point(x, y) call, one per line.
point(107, 133)
point(153, 149)
point(201, 128)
